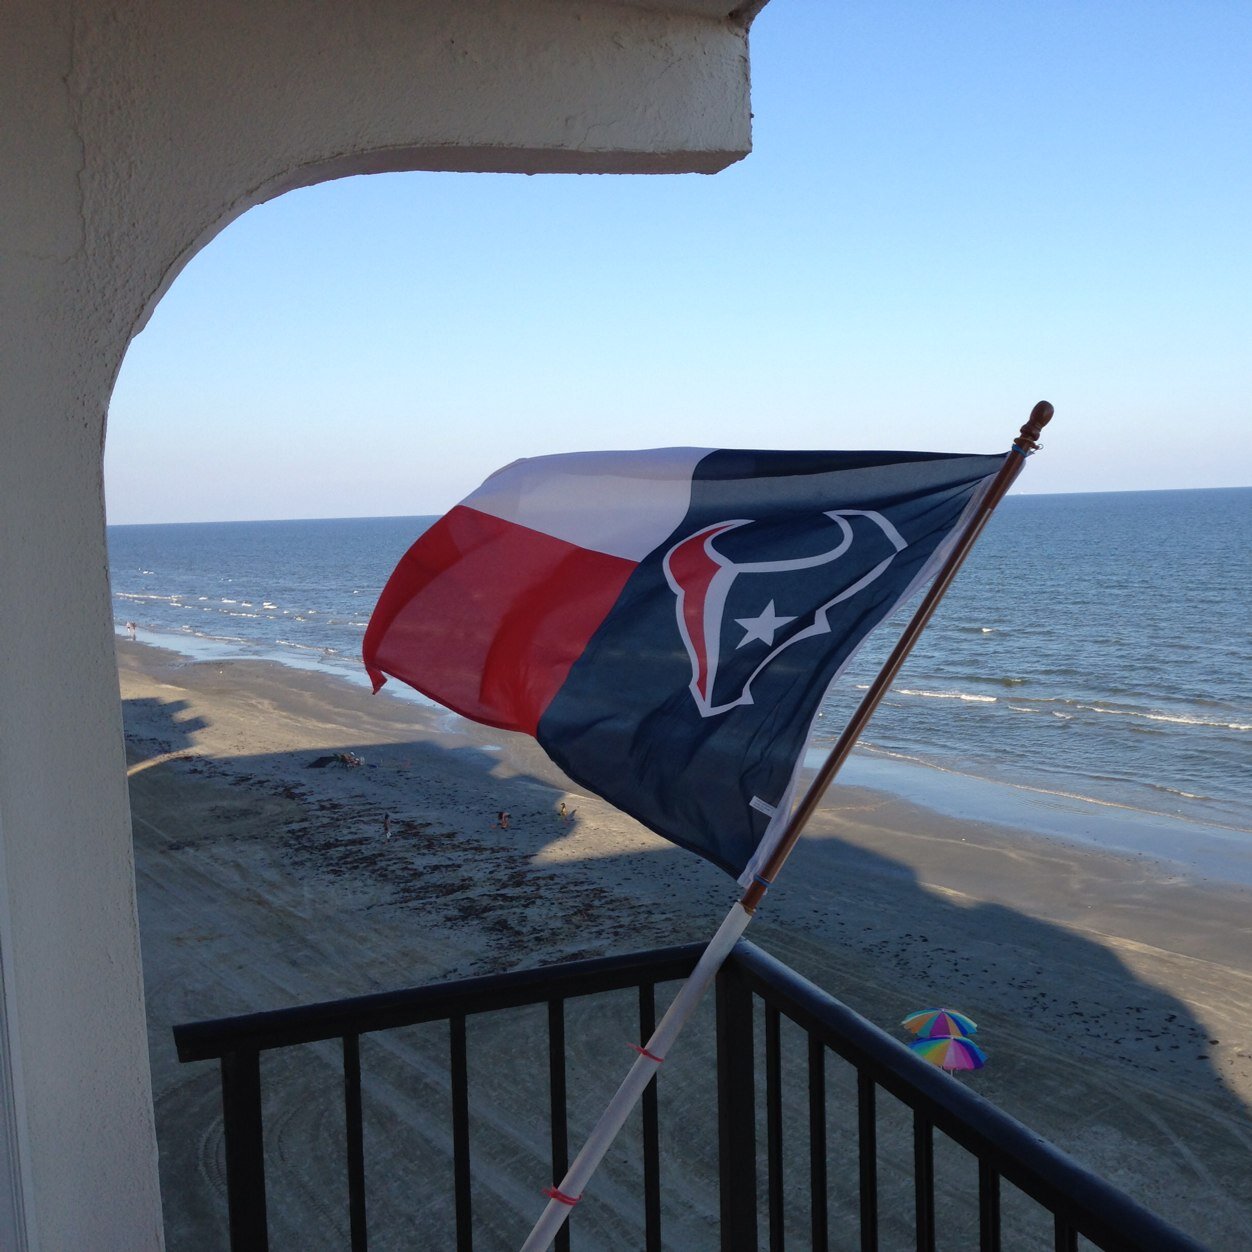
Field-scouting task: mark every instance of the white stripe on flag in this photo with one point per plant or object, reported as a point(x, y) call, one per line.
point(624, 504)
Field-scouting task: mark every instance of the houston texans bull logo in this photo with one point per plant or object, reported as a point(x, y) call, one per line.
point(783, 576)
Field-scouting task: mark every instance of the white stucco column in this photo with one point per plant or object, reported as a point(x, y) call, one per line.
point(132, 132)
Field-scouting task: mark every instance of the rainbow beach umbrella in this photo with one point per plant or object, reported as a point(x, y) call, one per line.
point(950, 1054)
point(939, 1024)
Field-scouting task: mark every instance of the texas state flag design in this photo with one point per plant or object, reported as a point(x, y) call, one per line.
point(666, 623)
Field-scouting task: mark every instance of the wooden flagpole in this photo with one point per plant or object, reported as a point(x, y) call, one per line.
point(563, 1198)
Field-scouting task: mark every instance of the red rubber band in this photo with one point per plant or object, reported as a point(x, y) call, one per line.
point(652, 1056)
point(553, 1194)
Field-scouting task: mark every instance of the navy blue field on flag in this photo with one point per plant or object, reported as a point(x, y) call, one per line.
point(666, 623)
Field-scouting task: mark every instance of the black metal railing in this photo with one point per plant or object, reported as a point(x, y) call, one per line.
point(1076, 1202)
point(1080, 1203)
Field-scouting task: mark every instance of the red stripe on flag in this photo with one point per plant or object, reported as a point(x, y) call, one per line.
point(487, 617)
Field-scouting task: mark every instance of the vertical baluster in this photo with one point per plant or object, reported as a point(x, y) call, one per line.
point(924, 1180)
point(557, 1105)
point(736, 1112)
point(988, 1208)
point(460, 1134)
point(245, 1150)
point(1065, 1236)
point(355, 1140)
point(867, 1140)
point(774, 1127)
point(651, 1131)
point(817, 1145)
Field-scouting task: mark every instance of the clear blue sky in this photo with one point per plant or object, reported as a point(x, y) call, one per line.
point(951, 212)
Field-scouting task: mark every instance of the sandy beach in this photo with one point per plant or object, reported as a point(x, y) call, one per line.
point(1113, 992)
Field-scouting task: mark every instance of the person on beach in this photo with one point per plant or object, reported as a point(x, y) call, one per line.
point(131, 628)
point(561, 812)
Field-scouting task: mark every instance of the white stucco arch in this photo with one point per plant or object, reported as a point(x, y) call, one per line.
point(133, 132)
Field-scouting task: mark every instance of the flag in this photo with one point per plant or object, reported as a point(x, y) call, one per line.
point(666, 623)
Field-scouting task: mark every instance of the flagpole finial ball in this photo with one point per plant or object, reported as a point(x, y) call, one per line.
point(1040, 416)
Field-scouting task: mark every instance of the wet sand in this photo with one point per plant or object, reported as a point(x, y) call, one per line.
point(1113, 992)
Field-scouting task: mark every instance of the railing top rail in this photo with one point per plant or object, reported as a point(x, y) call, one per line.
point(1094, 1207)
point(309, 1023)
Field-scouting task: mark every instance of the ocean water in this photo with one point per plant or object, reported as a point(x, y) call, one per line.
point(1096, 649)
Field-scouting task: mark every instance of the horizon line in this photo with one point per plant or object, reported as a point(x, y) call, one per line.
point(377, 517)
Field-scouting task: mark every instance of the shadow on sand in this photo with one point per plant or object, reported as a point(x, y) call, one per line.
point(264, 883)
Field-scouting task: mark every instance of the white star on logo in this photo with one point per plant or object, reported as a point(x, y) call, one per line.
point(762, 627)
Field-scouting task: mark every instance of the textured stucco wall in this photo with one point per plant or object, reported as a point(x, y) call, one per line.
point(131, 133)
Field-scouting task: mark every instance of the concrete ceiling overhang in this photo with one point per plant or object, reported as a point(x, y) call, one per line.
point(715, 9)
